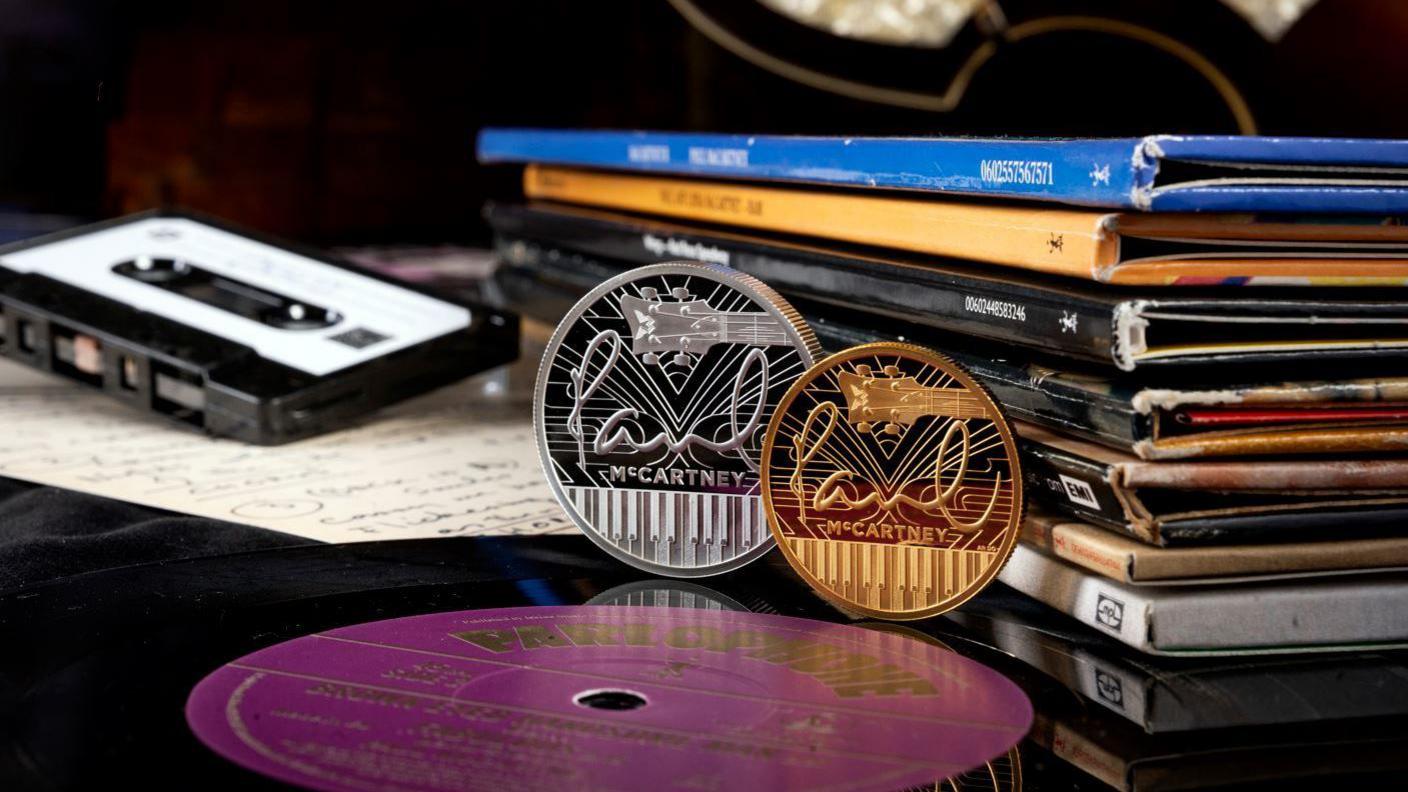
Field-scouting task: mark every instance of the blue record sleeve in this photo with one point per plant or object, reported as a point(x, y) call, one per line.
point(1157, 173)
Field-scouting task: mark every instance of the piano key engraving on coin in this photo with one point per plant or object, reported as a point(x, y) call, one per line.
point(650, 407)
point(891, 481)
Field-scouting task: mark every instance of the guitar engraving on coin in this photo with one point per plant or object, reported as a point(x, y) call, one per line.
point(650, 407)
point(891, 481)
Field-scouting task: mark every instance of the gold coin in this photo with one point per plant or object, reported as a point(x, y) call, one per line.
point(891, 481)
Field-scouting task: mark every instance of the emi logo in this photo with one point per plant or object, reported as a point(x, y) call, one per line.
point(1109, 612)
point(1079, 492)
point(1109, 688)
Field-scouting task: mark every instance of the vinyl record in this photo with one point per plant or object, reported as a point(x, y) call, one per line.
point(1000, 774)
point(607, 698)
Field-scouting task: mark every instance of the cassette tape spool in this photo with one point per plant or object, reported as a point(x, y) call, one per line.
point(240, 336)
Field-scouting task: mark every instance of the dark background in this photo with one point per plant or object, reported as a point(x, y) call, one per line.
point(353, 122)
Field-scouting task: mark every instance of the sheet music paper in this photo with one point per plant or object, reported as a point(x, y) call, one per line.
point(458, 462)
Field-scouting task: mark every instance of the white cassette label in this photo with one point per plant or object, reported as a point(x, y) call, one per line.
point(372, 317)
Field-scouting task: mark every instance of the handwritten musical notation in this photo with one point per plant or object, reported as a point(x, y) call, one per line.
point(459, 462)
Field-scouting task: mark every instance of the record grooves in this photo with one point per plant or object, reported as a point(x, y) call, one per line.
point(119, 672)
point(601, 697)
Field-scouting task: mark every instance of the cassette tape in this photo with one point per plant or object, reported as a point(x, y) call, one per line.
point(239, 335)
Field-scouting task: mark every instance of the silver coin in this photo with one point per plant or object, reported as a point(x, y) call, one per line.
point(650, 407)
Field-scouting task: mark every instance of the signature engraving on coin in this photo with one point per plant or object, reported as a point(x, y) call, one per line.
point(892, 482)
point(650, 408)
point(614, 436)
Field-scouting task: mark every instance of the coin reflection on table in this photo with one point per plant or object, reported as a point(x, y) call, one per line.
point(663, 593)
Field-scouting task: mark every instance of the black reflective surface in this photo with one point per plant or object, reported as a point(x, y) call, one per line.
point(97, 667)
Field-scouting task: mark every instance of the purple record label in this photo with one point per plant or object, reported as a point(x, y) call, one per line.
point(601, 697)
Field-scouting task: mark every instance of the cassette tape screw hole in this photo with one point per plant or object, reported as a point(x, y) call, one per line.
point(76, 355)
point(128, 372)
point(610, 699)
point(178, 393)
point(28, 342)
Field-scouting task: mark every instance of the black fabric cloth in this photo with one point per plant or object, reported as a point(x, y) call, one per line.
point(48, 533)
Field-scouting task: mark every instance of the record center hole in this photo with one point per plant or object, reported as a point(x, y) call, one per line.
point(605, 699)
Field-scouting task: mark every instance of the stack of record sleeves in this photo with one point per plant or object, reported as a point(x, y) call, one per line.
point(1200, 341)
